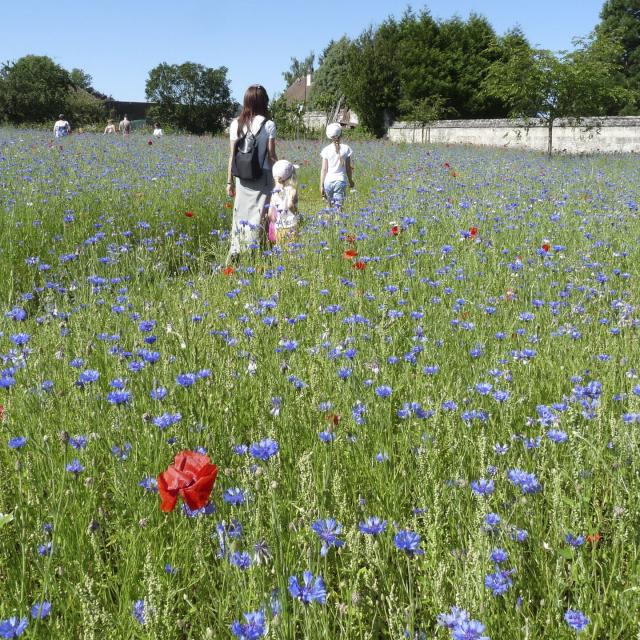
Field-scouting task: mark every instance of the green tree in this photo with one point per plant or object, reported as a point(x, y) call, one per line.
point(327, 91)
point(80, 79)
point(372, 77)
point(33, 89)
point(298, 69)
point(537, 83)
point(190, 96)
point(620, 19)
point(84, 108)
point(289, 118)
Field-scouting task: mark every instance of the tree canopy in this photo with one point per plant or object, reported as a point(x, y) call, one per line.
point(190, 96)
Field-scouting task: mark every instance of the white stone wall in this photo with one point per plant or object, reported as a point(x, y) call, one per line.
point(591, 135)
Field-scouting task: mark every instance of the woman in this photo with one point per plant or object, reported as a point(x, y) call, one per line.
point(251, 196)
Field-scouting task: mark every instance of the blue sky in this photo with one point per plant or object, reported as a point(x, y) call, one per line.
point(254, 40)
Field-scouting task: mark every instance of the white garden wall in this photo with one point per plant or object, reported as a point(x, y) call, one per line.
point(609, 135)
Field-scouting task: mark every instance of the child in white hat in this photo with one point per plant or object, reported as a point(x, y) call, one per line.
point(336, 168)
point(283, 209)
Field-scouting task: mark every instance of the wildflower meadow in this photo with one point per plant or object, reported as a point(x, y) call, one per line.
point(420, 420)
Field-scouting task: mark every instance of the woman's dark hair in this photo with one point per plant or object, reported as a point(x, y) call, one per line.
point(256, 103)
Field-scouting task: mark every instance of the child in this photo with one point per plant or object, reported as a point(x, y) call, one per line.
point(157, 130)
point(336, 168)
point(283, 209)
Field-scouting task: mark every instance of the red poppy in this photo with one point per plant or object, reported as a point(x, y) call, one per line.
point(228, 205)
point(349, 254)
point(473, 231)
point(446, 165)
point(395, 230)
point(192, 476)
point(546, 247)
point(149, 142)
point(189, 214)
point(227, 271)
point(359, 265)
point(592, 539)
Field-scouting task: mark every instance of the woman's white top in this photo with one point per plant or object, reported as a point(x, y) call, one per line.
point(267, 133)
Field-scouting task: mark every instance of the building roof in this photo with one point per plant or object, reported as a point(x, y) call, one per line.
point(298, 91)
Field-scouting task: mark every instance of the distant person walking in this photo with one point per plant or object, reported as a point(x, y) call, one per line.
point(110, 128)
point(252, 153)
point(336, 168)
point(125, 125)
point(157, 131)
point(61, 127)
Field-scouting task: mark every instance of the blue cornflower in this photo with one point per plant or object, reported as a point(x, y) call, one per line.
point(408, 541)
point(264, 449)
point(311, 590)
point(526, 481)
point(20, 339)
point(75, 467)
point(519, 535)
point(431, 370)
point(253, 629)
point(45, 549)
point(449, 405)
point(383, 391)
point(158, 394)
point(13, 627)
point(166, 420)
point(186, 379)
point(491, 521)
point(328, 531)
point(78, 442)
point(40, 610)
point(16, 314)
point(240, 449)
point(146, 325)
point(576, 620)
point(557, 436)
point(382, 456)
point(452, 619)
point(574, 541)
point(87, 377)
point(234, 496)
point(170, 569)
point(500, 396)
point(482, 487)
point(17, 442)
point(149, 484)
point(373, 526)
point(6, 381)
point(119, 397)
point(469, 630)
point(498, 556)
point(499, 582)
point(483, 388)
point(76, 363)
point(240, 559)
point(138, 612)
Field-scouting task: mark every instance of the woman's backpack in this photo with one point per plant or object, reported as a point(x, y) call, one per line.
point(247, 164)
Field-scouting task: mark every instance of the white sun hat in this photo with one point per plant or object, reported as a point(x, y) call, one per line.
point(282, 170)
point(334, 130)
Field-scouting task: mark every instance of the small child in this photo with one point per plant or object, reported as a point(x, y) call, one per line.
point(283, 208)
point(336, 168)
point(157, 130)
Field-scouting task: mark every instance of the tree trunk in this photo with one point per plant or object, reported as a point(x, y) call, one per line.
point(550, 147)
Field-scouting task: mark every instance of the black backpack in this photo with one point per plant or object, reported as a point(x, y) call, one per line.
point(247, 164)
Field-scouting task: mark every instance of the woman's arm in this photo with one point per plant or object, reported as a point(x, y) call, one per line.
point(349, 168)
point(232, 148)
point(323, 175)
point(271, 151)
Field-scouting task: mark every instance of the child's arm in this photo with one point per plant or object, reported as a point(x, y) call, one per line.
point(349, 168)
point(323, 175)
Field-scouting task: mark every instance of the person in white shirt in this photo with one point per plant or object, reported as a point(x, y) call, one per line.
point(337, 168)
point(110, 128)
point(252, 196)
point(157, 131)
point(61, 128)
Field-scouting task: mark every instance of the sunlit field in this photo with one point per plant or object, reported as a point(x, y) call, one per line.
point(425, 414)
